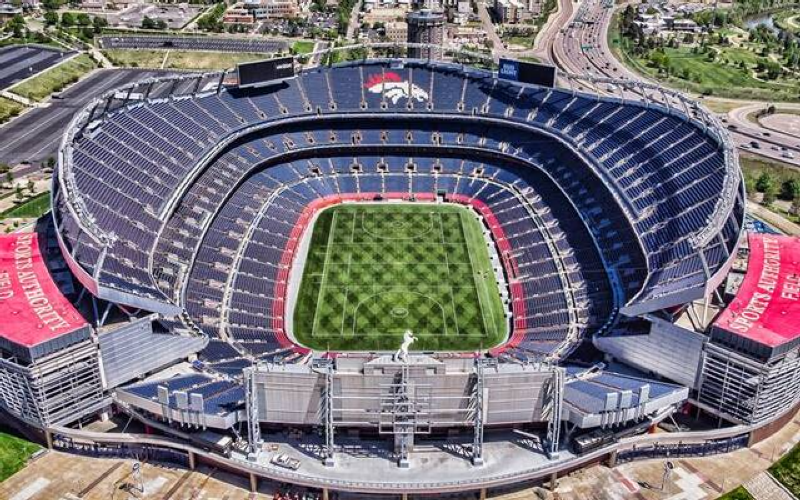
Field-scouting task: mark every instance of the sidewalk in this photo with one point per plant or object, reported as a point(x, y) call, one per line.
point(702, 478)
point(773, 219)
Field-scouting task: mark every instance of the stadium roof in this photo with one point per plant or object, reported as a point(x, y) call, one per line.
point(766, 309)
point(34, 309)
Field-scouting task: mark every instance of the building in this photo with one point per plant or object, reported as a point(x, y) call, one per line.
point(425, 26)
point(509, 11)
point(185, 264)
point(385, 15)
point(8, 11)
point(273, 9)
point(238, 16)
point(396, 31)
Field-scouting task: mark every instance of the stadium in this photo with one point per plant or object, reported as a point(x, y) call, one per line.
point(371, 263)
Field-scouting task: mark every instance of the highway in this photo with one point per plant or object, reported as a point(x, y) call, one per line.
point(580, 46)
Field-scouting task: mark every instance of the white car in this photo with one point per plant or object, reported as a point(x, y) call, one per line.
point(285, 461)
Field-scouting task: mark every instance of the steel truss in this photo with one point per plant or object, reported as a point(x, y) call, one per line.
point(253, 422)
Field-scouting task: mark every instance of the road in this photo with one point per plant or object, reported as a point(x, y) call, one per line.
point(354, 24)
point(545, 39)
point(581, 47)
point(498, 48)
point(34, 136)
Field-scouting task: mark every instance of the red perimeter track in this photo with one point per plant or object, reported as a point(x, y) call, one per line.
point(32, 307)
point(767, 306)
point(287, 259)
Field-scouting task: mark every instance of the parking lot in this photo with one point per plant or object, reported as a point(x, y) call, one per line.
point(176, 16)
point(34, 136)
point(19, 62)
point(210, 44)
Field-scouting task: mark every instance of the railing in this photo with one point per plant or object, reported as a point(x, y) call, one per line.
point(640, 447)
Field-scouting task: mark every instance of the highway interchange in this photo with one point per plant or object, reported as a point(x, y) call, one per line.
point(576, 41)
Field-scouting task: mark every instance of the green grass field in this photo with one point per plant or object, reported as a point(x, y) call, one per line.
point(9, 109)
point(14, 453)
point(55, 79)
point(179, 59)
point(33, 208)
point(737, 494)
point(787, 470)
point(376, 270)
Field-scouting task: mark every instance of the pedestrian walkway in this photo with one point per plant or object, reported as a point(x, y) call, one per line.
point(764, 487)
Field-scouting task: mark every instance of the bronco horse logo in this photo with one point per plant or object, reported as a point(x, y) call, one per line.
point(392, 86)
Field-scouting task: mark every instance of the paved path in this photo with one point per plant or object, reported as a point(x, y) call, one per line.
point(764, 487)
point(353, 25)
point(773, 219)
point(498, 49)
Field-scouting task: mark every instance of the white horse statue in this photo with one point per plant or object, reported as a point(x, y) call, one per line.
point(402, 354)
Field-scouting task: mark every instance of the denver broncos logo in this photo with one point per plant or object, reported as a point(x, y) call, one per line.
point(393, 87)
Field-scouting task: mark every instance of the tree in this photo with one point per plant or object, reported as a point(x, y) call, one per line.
point(31, 186)
point(84, 19)
point(764, 182)
point(68, 19)
point(99, 23)
point(790, 190)
point(9, 177)
point(18, 192)
point(50, 18)
point(148, 23)
point(769, 196)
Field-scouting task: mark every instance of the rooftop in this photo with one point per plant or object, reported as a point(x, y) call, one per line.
point(34, 309)
point(766, 308)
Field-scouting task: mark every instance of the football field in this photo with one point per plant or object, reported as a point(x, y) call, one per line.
point(374, 271)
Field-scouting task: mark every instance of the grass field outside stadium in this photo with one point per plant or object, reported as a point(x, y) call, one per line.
point(374, 271)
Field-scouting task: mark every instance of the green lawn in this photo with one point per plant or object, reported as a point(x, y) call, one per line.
point(737, 494)
point(376, 270)
point(9, 109)
point(55, 79)
point(14, 453)
point(787, 470)
point(302, 47)
point(33, 208)
point(694, 72)
point(179, 59)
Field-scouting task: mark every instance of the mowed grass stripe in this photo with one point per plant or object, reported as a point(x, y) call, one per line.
point(408, 266)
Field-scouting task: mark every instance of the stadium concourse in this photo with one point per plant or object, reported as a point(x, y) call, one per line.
point(186, 209)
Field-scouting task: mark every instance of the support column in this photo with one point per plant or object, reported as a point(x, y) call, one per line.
point(253, 483)
point(192, 460)
point(483, 495)
point(479, 401)
point(325, 494)
point(48, 437)
point(553, 481)
point(253, 424)
point(612, 459)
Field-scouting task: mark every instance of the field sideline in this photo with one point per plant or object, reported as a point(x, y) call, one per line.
point(376, 270)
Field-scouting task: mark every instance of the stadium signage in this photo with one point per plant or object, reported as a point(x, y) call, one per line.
point(526, 72)
point(260, 73)
point(394, 88)
point(509, 69)
point(29, 285)
point(771, 286)
point(769, 296)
